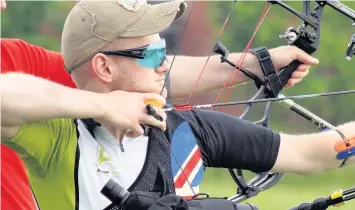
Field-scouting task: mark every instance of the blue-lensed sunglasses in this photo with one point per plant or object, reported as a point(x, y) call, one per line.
point(149, 56)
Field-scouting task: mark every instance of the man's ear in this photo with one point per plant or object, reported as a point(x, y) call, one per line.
point(102, 66)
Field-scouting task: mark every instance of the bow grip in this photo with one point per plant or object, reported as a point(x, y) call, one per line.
point(286, 73)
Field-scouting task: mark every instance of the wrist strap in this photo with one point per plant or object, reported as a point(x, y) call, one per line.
point(270, 75)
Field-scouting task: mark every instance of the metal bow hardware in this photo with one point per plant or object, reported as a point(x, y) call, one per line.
point(306, 37)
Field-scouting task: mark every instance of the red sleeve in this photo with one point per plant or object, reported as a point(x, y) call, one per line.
point(16, 192)
point(18, 55)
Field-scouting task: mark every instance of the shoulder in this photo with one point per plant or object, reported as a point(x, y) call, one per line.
point(19, 55)
point(19, 46)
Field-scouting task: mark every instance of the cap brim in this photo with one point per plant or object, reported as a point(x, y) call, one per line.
point(156, 19)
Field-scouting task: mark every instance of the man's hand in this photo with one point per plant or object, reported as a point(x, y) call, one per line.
point(127, 110)
point(282, 56)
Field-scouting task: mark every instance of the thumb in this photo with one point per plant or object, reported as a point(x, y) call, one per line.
point(305, 58)
point(135, 132)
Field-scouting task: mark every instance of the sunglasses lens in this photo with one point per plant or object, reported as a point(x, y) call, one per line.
point(154, 55)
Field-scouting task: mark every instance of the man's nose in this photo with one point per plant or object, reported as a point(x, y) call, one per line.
point(164, 67)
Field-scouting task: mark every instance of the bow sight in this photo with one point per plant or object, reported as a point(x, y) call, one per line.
point(307, 40)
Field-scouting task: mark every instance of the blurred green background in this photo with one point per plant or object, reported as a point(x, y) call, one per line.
point(41, 22)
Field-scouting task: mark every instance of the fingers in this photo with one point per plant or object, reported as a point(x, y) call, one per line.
point(161, 113)
point(136, 128)
point(297, 76)
point(152, 121)
point(135, 131)
point(301, 72)
point(304, 57)
point(158, 102)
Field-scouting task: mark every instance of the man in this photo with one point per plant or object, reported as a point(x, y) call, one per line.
point(78, 158)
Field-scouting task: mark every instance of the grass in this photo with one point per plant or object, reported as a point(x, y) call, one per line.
point(292, 190)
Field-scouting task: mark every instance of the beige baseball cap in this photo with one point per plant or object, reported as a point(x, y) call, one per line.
point(92, 24)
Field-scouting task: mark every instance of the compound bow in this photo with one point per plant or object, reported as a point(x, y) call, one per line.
point(306, 37)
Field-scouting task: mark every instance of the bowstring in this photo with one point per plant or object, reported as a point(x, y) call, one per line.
point(211, 52)
point(239, 65)
point(161, 92)
point(181, 36)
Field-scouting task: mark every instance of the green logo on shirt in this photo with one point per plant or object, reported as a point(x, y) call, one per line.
point(102, 158)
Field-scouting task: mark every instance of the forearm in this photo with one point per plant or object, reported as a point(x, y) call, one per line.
point(325, 157)
point(26, 98)
point(312, 153)
point(214, 76)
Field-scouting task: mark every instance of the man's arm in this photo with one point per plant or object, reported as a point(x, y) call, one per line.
point(26, 98)
point(229, 142)
point(216, 73)
point(311, 153)
point(213, 77)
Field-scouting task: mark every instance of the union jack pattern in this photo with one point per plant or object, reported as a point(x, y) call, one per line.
point(188, 155)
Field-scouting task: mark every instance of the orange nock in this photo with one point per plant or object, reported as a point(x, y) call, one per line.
point(344, 144)
point(154, 103)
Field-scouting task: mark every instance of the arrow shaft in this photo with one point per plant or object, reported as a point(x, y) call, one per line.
point(279, 98)
point(291, 105)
